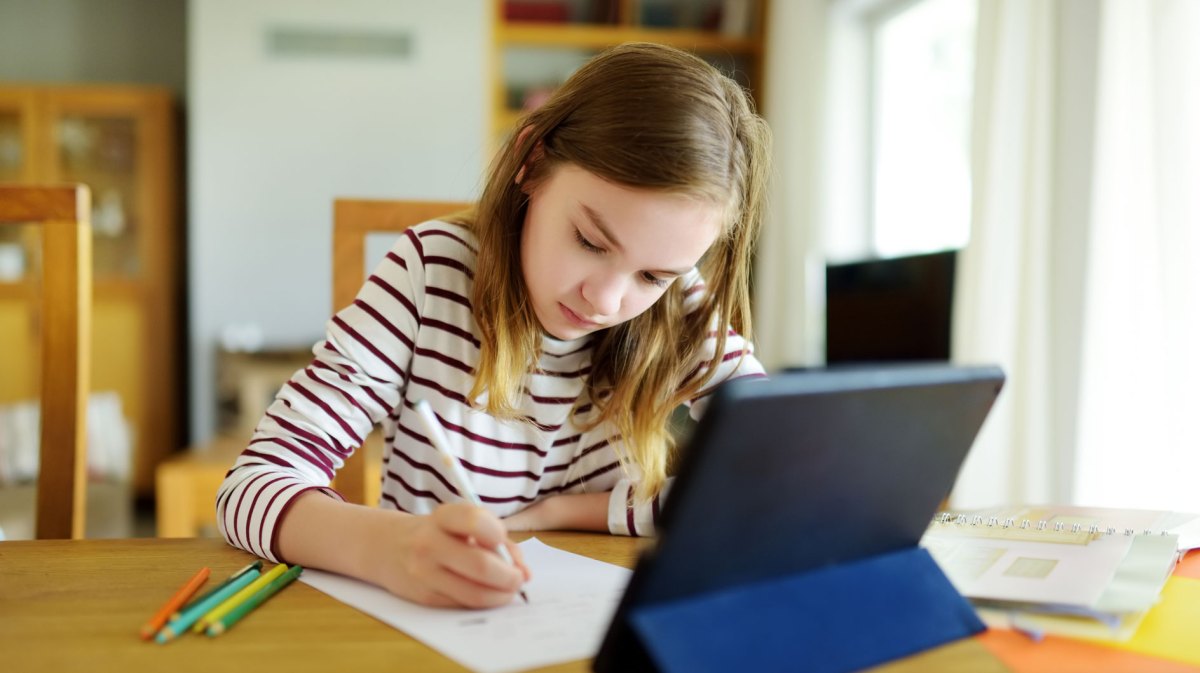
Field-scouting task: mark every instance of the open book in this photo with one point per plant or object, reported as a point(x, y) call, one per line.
point(1107, 566)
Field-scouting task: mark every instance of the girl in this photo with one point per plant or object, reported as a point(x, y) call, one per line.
point(601, 281)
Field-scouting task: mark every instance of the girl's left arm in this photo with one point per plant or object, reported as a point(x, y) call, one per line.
point(617, 511)
point(576, 511)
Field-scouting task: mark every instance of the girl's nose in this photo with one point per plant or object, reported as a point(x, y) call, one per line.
point(603, 294)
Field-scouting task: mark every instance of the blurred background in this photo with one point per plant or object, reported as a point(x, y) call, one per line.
point(982, 181)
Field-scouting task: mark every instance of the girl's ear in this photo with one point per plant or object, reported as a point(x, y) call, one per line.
point(534, 156)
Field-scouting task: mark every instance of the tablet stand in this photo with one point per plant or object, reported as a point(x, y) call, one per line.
point(835, 619)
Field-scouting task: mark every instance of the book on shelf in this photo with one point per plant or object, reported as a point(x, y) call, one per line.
point(539, 11)
point(1083, 571)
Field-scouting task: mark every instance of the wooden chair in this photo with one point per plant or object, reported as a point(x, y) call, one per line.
point(61, 214)
point(353, 220)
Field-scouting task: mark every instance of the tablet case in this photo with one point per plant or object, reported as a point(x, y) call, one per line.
point(841, 618)
point(789, 541)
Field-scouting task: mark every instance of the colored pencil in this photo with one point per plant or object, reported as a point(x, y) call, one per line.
point(257, 565)
point(181, 595)
point(232, 602)
point(177, 626)
point(225, 623)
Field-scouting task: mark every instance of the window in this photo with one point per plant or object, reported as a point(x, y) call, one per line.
point(921, 70)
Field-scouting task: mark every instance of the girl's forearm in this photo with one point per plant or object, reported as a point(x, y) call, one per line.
point(582, 511)
point(586, 511)
point(321, 532)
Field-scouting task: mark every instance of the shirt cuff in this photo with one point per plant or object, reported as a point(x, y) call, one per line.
point(627, 517)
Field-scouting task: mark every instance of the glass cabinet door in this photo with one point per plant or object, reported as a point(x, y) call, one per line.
point(100, 151)
point(20, 269)
point(121, 141)
point(12, 146)
point(17, 164)
point(17, 134)
point(95, 140)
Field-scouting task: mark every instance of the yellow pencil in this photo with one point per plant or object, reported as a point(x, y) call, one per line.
point(233, 601)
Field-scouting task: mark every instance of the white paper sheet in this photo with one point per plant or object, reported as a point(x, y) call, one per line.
point(571, 601)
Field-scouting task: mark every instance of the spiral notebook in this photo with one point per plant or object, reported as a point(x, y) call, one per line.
point(1099, 563)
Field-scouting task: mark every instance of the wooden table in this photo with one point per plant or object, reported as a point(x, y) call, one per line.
point(77, 605)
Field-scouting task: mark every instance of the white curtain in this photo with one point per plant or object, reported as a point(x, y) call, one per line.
point(1139, 440)
point(1004, 277)
point(1081, 277)
point(789, 280)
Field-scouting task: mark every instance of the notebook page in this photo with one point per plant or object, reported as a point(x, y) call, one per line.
point(571, 600)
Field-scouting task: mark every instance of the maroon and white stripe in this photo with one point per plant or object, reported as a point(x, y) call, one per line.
point(410, 335)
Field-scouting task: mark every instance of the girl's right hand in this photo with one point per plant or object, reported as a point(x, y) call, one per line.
point(449, 559)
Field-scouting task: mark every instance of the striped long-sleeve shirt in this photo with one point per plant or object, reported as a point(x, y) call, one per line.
point(410, 335)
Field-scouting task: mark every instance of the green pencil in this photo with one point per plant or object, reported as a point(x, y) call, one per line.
point(257, 565)
point(225, 623)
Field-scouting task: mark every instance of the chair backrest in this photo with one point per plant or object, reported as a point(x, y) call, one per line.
point(353, 221)
point(61, 214)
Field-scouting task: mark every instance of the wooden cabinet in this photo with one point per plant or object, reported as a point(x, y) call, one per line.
point(537, 43)
point(122, 142)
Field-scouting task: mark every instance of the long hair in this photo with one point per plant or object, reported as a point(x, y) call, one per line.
point(648, 117)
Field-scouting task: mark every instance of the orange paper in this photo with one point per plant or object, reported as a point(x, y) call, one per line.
point(1063, 655)
point(1189, 566)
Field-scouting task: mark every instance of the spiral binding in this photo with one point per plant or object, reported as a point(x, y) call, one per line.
point(947, 518)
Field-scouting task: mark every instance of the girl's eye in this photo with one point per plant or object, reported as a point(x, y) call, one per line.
point(647, 277)
point(655, 280)
point(586, 244)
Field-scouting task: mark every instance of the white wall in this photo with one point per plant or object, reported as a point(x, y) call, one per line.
point(272, 140)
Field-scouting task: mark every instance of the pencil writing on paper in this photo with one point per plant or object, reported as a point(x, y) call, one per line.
point(576, 598)
point(462, 482)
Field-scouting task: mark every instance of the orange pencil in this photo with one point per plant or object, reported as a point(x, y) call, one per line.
point(164, 613)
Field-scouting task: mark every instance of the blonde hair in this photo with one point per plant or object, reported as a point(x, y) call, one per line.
point(650, 117)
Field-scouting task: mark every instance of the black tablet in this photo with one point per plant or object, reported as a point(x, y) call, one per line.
point(802, 471)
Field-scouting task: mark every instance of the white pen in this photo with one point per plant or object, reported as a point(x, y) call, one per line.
point(458, 475)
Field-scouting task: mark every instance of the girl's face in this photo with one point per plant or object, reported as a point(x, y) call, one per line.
point(595, 254)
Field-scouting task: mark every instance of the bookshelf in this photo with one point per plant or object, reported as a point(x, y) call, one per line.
point(121, 141)
point(538, 43)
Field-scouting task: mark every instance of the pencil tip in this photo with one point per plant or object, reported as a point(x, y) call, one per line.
point(524, 597)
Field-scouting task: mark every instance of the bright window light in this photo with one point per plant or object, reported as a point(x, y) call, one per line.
point(921, 92)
